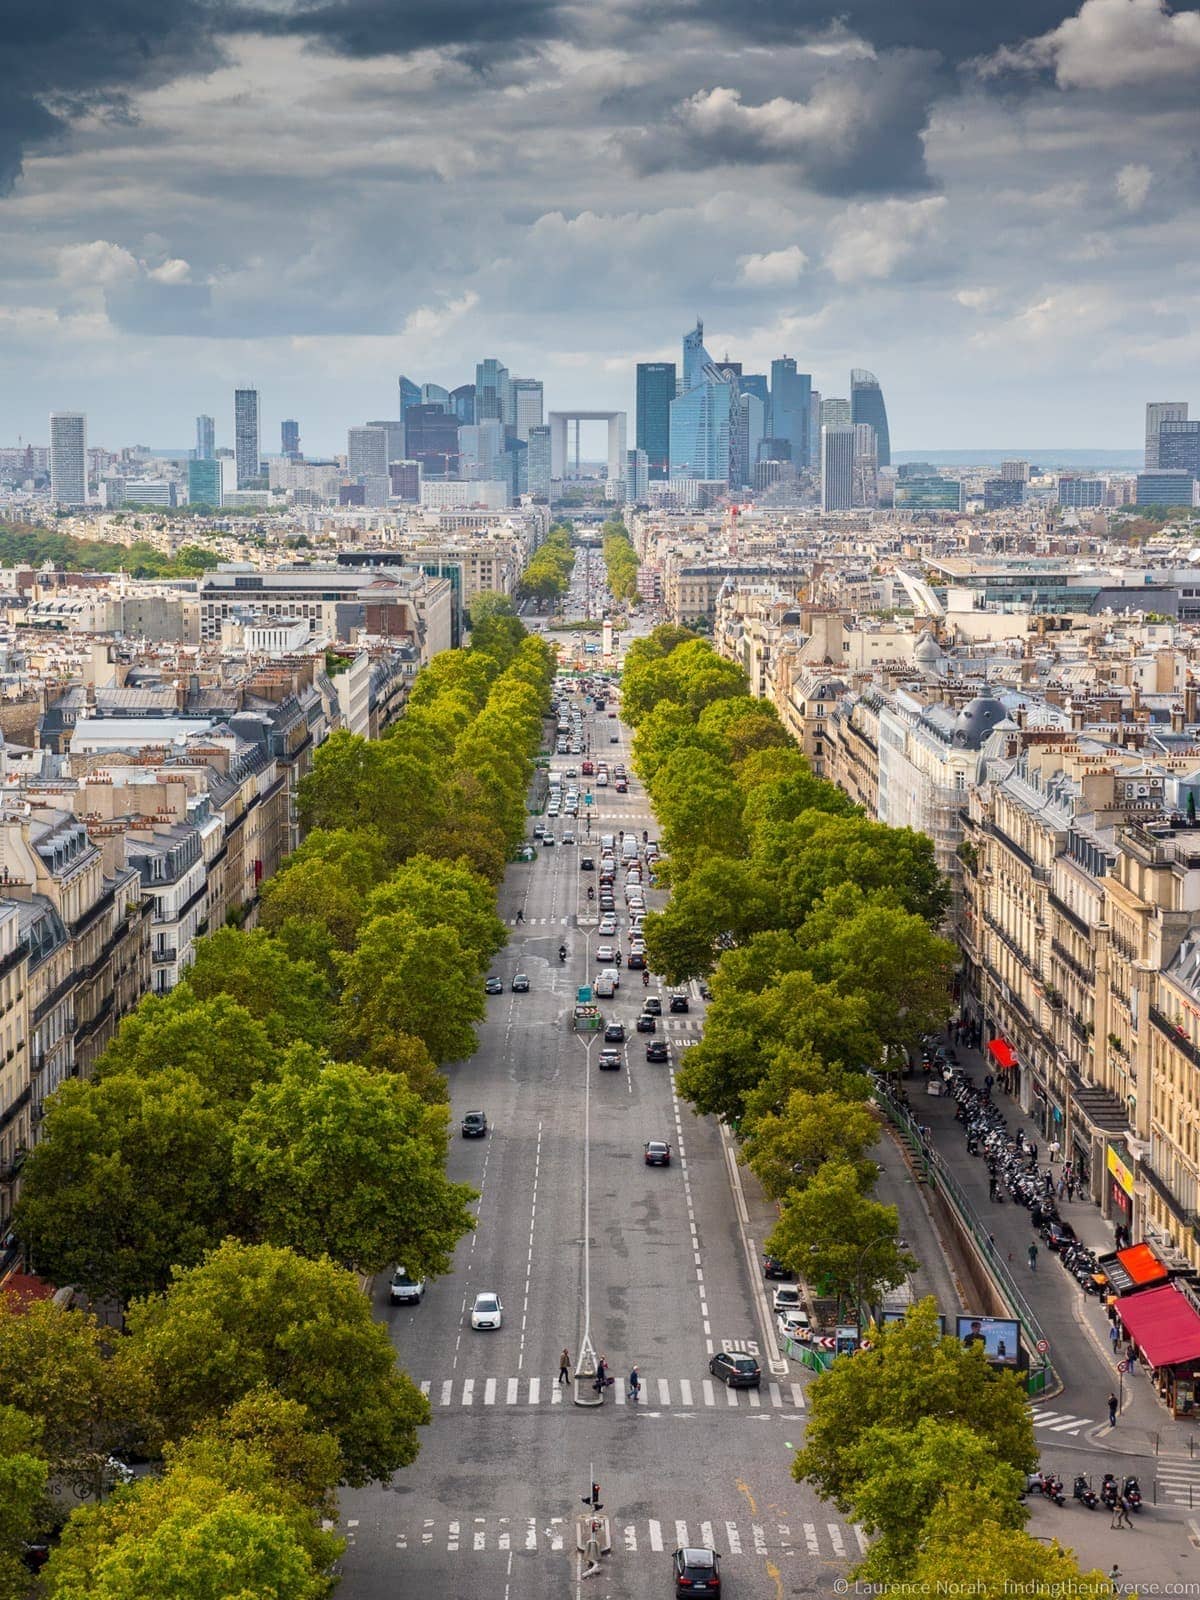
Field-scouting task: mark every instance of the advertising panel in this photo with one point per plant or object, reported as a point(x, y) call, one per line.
point(1000, 1338)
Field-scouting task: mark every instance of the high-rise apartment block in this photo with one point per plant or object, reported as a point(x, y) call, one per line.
point(1015, 471)
point(394, 432)
point(865, 487)
point(289, 438)
point(245, 436)
point(206, 438)
point(637, 477)
point(837, 468)
point(866, 406)
point(655, 391)
point(539, 462)
point(1158, 412)
point(1003, 494)
point(68, 458)
point(835, 413)
point(1079, 493)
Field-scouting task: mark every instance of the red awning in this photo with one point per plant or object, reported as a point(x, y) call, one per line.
point(1003, 1053)
point(1143, 1265)
point(1162, 1324)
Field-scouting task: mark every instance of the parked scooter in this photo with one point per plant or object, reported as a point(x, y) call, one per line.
point(1110, 1491)
point(1133, 1493)
point(1084, 1491)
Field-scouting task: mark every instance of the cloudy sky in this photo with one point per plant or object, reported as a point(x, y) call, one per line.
point(996, 207)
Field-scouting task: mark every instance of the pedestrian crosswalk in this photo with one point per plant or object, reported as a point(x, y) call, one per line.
point(658, 1395)
point(545, 1535)
point(1060, 1421)
point(1176, 1480)
point(539, 922)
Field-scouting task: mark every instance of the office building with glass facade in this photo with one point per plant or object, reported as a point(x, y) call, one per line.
point(790, 415)
point(1162, 488)
point(927, 494)
point(204, 483)
point(539, 462)
point(866, 405)
point(655, 391)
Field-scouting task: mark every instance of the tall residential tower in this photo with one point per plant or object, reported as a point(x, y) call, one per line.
point(68, 458)
point(245, 435)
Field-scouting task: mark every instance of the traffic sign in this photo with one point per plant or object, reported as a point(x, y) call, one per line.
point(1124, 1366)
point(1043, 1346)
point(587, 799)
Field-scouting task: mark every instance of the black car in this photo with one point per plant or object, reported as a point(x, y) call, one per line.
point(736, 1369)
point(774, 1268)
point(637, 960)
point(656, 1050)
point(652, 1006)
point(658, 1153)
point(615, 1033)
point(678, 1002)
point(1058, 1235)
point(647, 1023)
point(520, 984)
point(493, 986)
point(587, 864)
point(475, 1125)
point(614, 738)
point(697, 1571)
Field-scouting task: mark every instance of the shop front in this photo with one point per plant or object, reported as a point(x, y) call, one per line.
point(1002, 1059)
point(1164, 1325)
point(1118, 1195)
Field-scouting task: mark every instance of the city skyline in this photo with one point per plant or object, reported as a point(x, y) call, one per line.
point(973, 205)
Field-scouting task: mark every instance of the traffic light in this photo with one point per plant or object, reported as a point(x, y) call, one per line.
point(593, 1499)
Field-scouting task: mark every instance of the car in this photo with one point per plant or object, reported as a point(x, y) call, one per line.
point(539, 829)
point(774, 1268)
point(636, 960)
point(487, 1312)
point(678, 1002)
point(615, 1033)
point(568, 836)
point(795, 1325)
point(656, 1050)
point(614, 738)
point(611, 1061)
point(493, 985)
point(658, 1153)
point(475, 1125)
point(608, 925)
point(606, 955)
point(613, 714)
point(520, 983)
point(652, 1006)
point(405, 1291)
point(646, 1023)
point(1058, 1235)
point(572, 772)
point(737, 1369)
point(621, 786)
point(697, 1571)
point(607, 903)
point(786, 1298)
point(587, 863)
point(549, 841)
point(615, 974)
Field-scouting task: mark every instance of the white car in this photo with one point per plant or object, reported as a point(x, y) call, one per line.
point(611, 975)
point(487, 1312)
point(608, 925)
point(787, 1299)
point(795, 1325)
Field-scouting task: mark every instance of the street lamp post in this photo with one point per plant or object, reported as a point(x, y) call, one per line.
point(884, 1238)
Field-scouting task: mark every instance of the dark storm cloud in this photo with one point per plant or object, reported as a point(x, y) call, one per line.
point(72, 57)
point(958, 30)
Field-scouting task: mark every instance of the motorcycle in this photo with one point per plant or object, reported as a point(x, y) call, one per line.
point(1110, 1491)
point(1048, 1485)
point(1133, 1494)
point(562, 952)
point(1084, 1491)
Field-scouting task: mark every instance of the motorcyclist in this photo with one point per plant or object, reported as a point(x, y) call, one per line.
point(645, 977)
point(591, 892)
point(520, 915)
point(562, 952)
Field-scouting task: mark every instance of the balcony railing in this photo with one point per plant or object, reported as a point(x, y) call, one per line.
point(164, 952)
point(1176, 1035)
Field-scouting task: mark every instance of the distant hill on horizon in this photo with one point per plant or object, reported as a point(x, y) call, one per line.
point(1114, 460)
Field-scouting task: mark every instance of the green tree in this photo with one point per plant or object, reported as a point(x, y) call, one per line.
point(745, 726)
point(263, 1436)
point(971, 1549)
point(699, 806)
point(716, 906)
point(834, 1235)
point(130, 1178)
point(911, 1372)
point(290, 998)
point(408, 976)
point(326, 881)
point(788, 1148)
point(255, 1315)
point(23, 1478)
point(903, 1475)
point(335, 1160)
point(216, 1041)
point(183, 1537)
point(444, 892)
point(799, 860)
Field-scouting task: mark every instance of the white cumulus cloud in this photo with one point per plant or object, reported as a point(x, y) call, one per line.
point(172, 271)
point(97, 265)
point(870, 241)
point(1112, 44)
point(1133, 185)
point(774, 269)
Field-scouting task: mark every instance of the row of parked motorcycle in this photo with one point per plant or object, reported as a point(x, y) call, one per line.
point(1015, 1175)
point(1112, 1491)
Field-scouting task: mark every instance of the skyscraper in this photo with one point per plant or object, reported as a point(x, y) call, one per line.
point(748, 429)
point(865, 488)
point(245, 435)
point(835, 413)
point(481, 446)
point(410, 394)
point(703, 417)
point(1179, 447)
point(527, 405)
point(68, 458)
point(1016, 471)
point(866, 405)
point(539, 462)
point(366, 453)
point(637, 477)
point(395, 438)
point(1158, 412)
point(695, 356)
point(655, 391)
point(493, 391)
point(463, 401)
point(289, 438)
point(837, 469)
point(790, 405)
point(431, 437)
point(433, 394)
point(206, 439)
point(204, 482)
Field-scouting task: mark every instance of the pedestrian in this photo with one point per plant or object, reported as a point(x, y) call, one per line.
point(1121, 1518)
point(1033, 1258)
point(1062, 1187)
point(988, 1082)
point(1055, 1147)
point(601, 1374)
point(635, 1385)
point(564, 1365)
point(1071, 1189)
point(1114, 1336)
point(1112, 1410)
point(992, 1189)
point(1033, 1152)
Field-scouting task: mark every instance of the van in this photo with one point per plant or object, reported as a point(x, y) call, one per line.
point(604, 986)
point(629, 848)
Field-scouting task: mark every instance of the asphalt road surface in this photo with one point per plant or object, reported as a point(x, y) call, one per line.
point(490, 1506)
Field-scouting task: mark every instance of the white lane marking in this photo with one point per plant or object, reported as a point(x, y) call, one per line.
point(731, 1398)
point(798, 1394)
point(681, 1534)
point(511, 1391)
point(504, 1541)
point(452, 1537)
point(860, 1535)
point(489, 1392)
point(531, 1533)
point(810, 1538)
point(537, 1170)
point(755, 1397)
point(733, 1539)
point(656, 1543)
point(629, 1537)
point(618, 1393)
point(426, 1387)
point(760, 1539)
point(468, 1394)
point(556, 1533)
point(555, 1394)
point(685, 1391)
point(664, 1392)
point(535, 1390)
point(706, 1535)
point(835, 1538)
point(480, 1539)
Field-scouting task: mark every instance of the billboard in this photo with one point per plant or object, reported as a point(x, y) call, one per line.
point(999, 1337)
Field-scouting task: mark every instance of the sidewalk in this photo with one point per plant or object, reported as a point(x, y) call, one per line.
point(1076, 1325)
